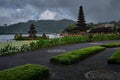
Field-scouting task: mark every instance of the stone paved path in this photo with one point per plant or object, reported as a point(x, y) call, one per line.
point(102, 75)
point(75, 71)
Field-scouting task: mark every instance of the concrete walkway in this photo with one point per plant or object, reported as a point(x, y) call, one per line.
point(75, 71)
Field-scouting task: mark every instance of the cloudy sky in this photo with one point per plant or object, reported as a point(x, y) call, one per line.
point(12, 11)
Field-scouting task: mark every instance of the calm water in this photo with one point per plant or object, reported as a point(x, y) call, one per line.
point(4, 38)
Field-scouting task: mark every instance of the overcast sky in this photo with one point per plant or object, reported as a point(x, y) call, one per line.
point(12, 11)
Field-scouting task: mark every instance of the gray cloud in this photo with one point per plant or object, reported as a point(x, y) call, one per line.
point(12, 11)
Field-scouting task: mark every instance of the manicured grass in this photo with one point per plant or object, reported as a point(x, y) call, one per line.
point(25, 72)
point(110, 45)
point(76, 55)
point(115, 58)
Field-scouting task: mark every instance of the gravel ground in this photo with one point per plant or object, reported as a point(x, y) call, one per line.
point(75, 71)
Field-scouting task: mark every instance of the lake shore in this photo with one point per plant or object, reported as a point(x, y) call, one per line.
point(10, 37)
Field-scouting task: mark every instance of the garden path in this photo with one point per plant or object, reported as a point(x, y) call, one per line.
point(75, 71)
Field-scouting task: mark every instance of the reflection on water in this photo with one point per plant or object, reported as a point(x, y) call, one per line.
point(4, 38)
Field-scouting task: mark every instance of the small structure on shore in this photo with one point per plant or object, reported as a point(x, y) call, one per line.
point(32, 35)
point(32, 32)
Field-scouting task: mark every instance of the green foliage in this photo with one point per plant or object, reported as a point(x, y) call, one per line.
point(101, 37)
point(8, 50)
point(25, 72)
point(73, 26)
point(41, 26)
point(38, 44)
point(18, 37)
point(115, 58)
point(76, 55)
point(110, 45)
point(55, 42)
point(25, 47)
point(58, 41)
point(44, 36)
point(44, 43)
point(70, 28)
point(15, 43)
point(74, 39)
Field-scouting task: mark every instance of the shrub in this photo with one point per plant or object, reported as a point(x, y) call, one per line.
point(110, 45)
point(74, 39)
point(18, 37)
point(44, 43)
point(44, 36)
point(115, 58)
point(25, 72)
point(101, 37)
point(76, 55)
point(8, 50)
point(25, 47)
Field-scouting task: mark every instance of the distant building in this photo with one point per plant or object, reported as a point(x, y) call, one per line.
point(81, 25)
point(32, 32)
point(103, 28)
point(109, 25)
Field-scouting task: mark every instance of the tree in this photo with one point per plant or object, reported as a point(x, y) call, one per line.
point(5, 25)
point(81, 25)
point(70, 28)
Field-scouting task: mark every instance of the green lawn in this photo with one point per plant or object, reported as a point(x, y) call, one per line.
point(15, 43)
point(76, 55)
point(115, 58)
point(25, 72)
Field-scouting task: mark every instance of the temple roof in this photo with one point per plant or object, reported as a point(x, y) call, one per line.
point(32, 26)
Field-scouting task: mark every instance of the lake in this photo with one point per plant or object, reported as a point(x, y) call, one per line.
point(4, 38)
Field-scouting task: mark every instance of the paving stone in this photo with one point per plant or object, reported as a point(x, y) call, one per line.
point(102, 75)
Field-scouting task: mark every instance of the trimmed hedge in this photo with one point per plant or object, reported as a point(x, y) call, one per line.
point(25, 72)
point(110, 45)
point(115, 58)
point(76, 55)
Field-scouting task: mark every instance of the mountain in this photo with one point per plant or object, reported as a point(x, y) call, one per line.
point(41, 26)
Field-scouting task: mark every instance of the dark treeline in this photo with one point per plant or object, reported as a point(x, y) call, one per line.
point(50, 26)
